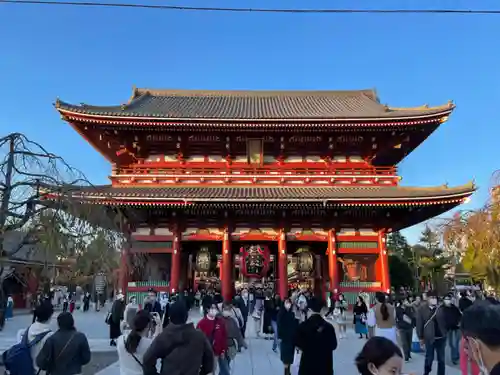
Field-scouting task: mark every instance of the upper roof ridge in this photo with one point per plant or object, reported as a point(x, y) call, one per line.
point(371, 93)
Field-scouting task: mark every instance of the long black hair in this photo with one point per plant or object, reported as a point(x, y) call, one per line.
point(377, 351)
point(381, 298)
point(141, 321)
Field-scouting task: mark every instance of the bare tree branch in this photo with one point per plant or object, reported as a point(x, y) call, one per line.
point(38, 207)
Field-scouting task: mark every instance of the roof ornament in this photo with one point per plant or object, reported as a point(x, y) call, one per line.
point(58, 102)
point(386, 107)
point(426, 105)
point(450, 103)
point(123, 107)
point(83, 105)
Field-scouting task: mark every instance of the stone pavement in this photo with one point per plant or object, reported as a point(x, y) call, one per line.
point(259, 359)
point(91, 323)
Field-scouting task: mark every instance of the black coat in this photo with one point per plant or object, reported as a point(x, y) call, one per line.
point(287, 329)
point(244, 308)
point(64, 353)
point(317, 340)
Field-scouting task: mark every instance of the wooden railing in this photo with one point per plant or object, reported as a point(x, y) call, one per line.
point(223, 169)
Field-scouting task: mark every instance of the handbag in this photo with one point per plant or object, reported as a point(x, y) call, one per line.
point(107, 320)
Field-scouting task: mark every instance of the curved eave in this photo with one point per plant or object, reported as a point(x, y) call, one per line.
point(341, 202)
point(76, 113)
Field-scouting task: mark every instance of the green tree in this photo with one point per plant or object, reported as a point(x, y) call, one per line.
point(398, 245)
point(431, 260)
point(401, 273)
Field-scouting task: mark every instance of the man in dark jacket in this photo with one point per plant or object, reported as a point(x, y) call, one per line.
point(182, 348)
point(152, 304)
point(317, 340)
point(431, 331)
point(405, 318)
point(464, 301)
point(452, 316)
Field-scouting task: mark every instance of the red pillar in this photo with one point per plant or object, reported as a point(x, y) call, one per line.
point(227, 292)
point(332, 262)
point(282, 266)
point(384, 262)
point(175, 266)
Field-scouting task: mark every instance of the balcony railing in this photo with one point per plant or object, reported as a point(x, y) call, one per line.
point(223, 169)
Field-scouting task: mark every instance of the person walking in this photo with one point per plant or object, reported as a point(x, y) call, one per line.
point(115, 318)
point(431, 331)
point(317, 340)
point(132, 346)
point(66, 351)
point(385, 321)
point(181, 348)
point(214, 329)
point(287, 329)
point(9, 310)
point(452, 317)
point(235, 340)
point(405, 321)
point(360, 312)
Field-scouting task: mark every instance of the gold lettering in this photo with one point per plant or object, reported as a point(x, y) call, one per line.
point(204, 138)
point(349, 139)
point(297, 139)
point(158, 138)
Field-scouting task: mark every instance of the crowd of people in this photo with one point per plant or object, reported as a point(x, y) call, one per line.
point(302, 328)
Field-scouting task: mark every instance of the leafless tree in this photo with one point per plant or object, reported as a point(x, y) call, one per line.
point(38, 205)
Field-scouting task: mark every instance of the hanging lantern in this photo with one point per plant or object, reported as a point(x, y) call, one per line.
point(203, 260)
point(304, 264)
point(254, 260)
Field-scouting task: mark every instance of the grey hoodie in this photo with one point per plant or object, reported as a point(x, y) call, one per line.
point(34, 330)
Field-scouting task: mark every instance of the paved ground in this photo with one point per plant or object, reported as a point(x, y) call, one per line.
point(259, 359)
point(91, 323)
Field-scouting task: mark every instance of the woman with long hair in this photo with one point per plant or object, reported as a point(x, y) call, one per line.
point(360, 312)
point(340, 315)
point(385, 321)
point(132, 346)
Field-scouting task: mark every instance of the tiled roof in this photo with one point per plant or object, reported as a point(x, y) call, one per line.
point(272, 194)
point(255, 105)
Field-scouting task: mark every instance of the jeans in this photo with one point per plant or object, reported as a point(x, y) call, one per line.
point(438, 346)
point(223, 364)
point(406, 336)
point(274, 325)
point(454, 343)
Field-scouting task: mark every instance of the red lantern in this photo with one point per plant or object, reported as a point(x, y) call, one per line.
point(255, 260)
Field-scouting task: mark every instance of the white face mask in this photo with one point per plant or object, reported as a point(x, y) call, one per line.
point(447, 302)
point(212, 313)
point(245, 295)
point(287, 306)
point(227, 314)
point(433, 301)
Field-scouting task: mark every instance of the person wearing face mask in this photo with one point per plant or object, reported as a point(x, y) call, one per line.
point(235, 340)
point(481, 329)
point(405, 321)
point(287, 328)
point(214, 329)
point(244, 306)
point(379, 356)
point(452, 316)
point(317, 340)
point(432, 333)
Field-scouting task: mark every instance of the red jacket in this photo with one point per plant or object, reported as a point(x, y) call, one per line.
point(215, 331)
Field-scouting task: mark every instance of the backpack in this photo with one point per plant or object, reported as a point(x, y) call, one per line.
point(17, 360)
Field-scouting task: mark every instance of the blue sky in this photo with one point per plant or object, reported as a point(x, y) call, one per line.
point(94, 56)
